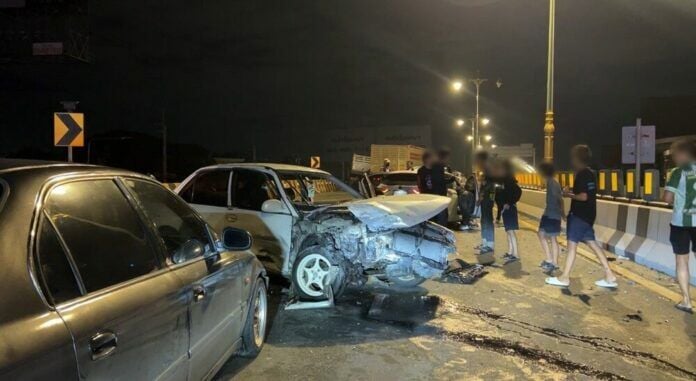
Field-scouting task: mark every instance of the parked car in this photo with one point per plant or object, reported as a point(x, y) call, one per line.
point(108, 275)
point(317, 231)
point(387, 183)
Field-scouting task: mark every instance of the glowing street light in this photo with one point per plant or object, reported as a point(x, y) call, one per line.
point(485, 121)
point(457, 86)
point(469, 138)
point(488, 138)
point(493, 146)
point(460, 122)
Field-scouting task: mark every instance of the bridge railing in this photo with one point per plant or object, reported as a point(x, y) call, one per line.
point(612, 184)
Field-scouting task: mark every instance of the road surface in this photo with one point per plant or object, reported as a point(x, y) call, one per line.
point(508, 325)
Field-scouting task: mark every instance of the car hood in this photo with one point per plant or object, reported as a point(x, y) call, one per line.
point(395, 212)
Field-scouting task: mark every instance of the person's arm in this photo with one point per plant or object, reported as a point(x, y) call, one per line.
point(580, 189)
point(672, 185)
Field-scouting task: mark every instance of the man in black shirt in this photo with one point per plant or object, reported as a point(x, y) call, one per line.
point(431, 180)
point(583, 210)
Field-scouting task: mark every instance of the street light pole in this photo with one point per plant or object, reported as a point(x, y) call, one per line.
point(549, 127)
point(478, 82)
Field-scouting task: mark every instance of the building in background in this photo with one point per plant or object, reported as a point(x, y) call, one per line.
point(338, 146)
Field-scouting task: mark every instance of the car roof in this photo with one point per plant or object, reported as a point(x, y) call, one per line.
point(273, 166)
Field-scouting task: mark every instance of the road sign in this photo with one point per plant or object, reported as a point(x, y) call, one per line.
point(629, 144)
point(68, 129)
point(315, 162)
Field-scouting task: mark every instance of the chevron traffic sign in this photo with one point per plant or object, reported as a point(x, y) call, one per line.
point(68, 129)
point(315, 162)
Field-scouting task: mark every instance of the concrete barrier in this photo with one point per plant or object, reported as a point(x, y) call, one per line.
point(637, 232)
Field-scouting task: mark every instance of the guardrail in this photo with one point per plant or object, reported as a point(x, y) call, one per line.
point(612, 184)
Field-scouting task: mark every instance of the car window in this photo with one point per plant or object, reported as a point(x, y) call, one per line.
point(177, 224)
point(251, 189)
point(102, 231)
point(208, 188)
point(400, 179)
point(58, 279)
point(310, 189)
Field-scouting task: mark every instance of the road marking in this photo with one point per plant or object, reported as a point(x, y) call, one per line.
point(624, 272)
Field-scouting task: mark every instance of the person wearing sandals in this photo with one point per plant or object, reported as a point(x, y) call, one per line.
point(510, 194)
point(680, 191)
point(583, 210)
point(550, 224)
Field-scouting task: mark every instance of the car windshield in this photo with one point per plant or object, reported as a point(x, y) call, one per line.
point(307, 190)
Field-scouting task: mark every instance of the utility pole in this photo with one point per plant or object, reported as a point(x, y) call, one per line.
point(478, 82)
point(549, 127)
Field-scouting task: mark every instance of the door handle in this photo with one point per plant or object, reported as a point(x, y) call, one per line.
point(102, 345)
point(198, 293)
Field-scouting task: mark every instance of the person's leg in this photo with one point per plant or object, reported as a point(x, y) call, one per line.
point(569, 263)
point(499, 212)
point(487, 228)
point(463, 201)
point(512, 243)
point(683, 278)
point(544, 245)
point(555, 250)
point(608, 274)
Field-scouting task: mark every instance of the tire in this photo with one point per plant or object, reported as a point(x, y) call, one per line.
point(254, 333)
point(308, 271)
point(407, 281)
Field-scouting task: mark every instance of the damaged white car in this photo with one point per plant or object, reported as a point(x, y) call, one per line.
point(317, 231)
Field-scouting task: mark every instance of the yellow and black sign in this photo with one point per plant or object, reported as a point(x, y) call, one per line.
point(315, 162)
point(68, 129)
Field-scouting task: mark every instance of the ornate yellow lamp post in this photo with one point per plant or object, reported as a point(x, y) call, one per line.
point(549, 128)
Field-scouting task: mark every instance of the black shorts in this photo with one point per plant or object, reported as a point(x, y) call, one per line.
point(682, 238)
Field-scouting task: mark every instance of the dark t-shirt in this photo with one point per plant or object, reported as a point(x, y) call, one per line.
point(432, 180)
point(585, 183)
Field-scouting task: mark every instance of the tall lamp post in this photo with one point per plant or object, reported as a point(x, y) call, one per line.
point(458, 85)
point(549, 127)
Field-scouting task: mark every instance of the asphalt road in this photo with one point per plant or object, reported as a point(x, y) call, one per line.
point(507, 325)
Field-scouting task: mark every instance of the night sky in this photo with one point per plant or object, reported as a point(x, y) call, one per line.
point(227, 73)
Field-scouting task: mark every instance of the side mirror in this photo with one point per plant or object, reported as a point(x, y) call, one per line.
point(189, 250)
point(274, 206)
point(236, 239)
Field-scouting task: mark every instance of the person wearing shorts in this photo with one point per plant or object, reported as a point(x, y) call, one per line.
point(550, 224)
point(583, 211)
point(510, 194)
point(680, 191)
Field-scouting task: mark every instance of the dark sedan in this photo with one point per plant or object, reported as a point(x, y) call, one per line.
point(108, 275)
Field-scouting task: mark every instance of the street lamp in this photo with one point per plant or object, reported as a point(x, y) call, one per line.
point(469, 138)
point(493, 146)
point(460, 122)
point(485, 121)
point(458, 85)
point(488, 138)
point(549, 127)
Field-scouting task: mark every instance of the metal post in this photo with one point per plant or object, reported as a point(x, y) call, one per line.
point(549, 127)
point(70, 159)
point(637, 191)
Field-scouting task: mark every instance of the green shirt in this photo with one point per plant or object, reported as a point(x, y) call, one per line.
point(682, 182)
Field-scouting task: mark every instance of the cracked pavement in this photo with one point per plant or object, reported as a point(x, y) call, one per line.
point(507, 325)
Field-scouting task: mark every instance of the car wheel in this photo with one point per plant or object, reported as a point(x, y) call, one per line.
point(406, 281)
point(310, 270)
point(254, 334)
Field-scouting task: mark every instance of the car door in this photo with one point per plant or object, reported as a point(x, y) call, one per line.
point(208, 194)
point(130, 320)
point(271, 229)
point(212, 278)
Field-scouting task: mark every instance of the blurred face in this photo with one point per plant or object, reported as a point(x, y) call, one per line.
point(576, 162)
point(681, 158)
